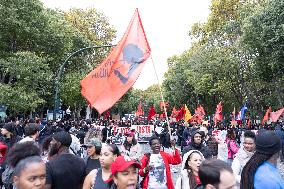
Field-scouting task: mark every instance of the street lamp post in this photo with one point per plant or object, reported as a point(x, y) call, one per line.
point(60, 71)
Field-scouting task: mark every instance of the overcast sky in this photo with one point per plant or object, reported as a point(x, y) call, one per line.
point(166, 23)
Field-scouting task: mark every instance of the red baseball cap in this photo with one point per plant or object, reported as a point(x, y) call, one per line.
point(131, 134)
point(121, 163)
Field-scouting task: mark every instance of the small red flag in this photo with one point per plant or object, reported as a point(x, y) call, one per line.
point(218, 114)
point(181, 114)
point(199, 114)
point(267, 115)
point(151, 113)
point(107, 83)
point(276, 115)
point(139, 110)
point(174, 113)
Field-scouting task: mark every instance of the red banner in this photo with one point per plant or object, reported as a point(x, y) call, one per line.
point(107, 83)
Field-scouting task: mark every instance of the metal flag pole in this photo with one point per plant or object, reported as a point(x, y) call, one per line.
point(161, 93)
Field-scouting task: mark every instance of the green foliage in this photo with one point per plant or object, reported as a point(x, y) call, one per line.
point(35, 41)
point(24, 81)
point(237, 56)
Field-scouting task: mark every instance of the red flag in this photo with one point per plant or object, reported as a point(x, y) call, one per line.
point(107, 83)
point(267, 115)
point(199, 114)
point(107, 115)
point(276, 115)
point(218, 114)
point(139, 110)
point(151, 113)
point(181, 114)
point(174, 113)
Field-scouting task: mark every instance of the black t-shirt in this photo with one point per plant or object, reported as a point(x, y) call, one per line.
point(92, 164)
point(66, 171)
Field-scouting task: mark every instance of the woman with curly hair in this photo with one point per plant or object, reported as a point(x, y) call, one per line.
point(17, 153)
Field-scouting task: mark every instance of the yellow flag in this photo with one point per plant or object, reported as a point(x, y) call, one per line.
point(187, 115)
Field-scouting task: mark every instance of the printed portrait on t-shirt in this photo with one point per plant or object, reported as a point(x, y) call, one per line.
point(157, 173)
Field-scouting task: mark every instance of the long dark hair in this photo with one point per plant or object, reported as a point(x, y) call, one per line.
point(247, 176)
point(127, 145)
point(231, 134)
point(192, 180)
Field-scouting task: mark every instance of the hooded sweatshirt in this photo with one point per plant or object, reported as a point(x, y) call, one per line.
point(200, 147)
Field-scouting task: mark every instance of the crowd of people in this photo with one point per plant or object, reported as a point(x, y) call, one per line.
point(37, 154)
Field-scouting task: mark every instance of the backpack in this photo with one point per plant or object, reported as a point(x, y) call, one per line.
point(148, 155)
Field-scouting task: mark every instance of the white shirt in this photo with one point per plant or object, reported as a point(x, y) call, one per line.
point(157, 175)
point(27, 139)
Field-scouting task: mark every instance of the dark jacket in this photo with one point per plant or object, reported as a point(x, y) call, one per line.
point(200, 147)
point(165, 138)
point(213, 146)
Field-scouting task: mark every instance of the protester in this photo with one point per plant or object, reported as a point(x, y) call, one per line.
point(32, 132)
point(75, 147)
point(101, 178)
point(9, 133)
point(92, 161)
point(216, 174)
point(131, 147)
point(45, 148)
point(17, 153)
point(155, 167)
point(30, 173)
point(180, 129)
point(125, 174)
point(64, 164)
point(244, 154)
point(165, 137)
point(232, 146)
point(19, 128)
point(189, 178)
point(212, 144)
point(260, 171)
point(185, 137)
point(197, 144)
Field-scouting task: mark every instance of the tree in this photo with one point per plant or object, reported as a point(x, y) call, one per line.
point(23, 79)
point(225, 61)
point(33, 36)
point(263, 35)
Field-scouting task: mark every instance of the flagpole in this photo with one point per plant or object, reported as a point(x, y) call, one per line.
point(161, 93)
